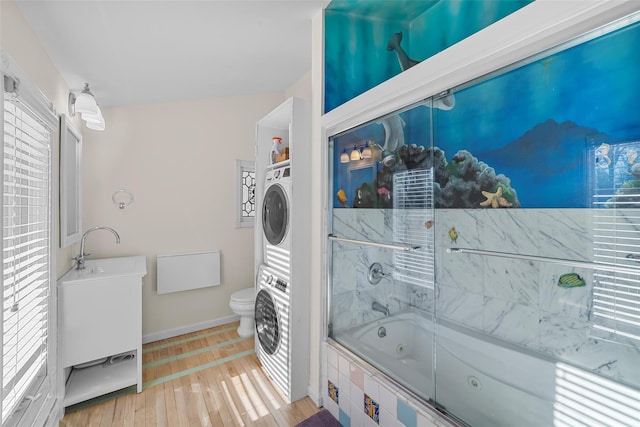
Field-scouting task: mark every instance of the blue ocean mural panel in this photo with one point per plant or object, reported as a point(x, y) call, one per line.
point(541, 124)
point(369, 41)
point(560, 131)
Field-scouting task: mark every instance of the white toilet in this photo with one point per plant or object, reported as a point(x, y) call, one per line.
point(242, 303)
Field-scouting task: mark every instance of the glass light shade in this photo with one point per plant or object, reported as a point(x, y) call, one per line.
point(95, 122)
point(355, 155)
point(366, 153)
point(96, 126)
point(93, 118)
point(344, 157)
point(86, 104)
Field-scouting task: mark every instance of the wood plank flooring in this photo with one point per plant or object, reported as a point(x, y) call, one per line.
point(206, 378)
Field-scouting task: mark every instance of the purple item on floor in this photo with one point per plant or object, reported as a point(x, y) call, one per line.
point(320, 419)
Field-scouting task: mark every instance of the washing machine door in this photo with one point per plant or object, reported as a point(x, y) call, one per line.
point(275, 214)
point(267, 325)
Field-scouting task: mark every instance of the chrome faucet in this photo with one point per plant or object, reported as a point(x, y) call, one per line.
point(376, 306)
point(82, 256)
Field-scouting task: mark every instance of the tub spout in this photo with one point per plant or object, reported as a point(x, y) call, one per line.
point(376, 306)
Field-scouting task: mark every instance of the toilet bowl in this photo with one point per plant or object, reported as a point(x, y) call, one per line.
point(242, 303)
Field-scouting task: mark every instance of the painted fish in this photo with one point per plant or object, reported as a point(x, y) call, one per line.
point(342, 197)
point(571, 280)
point(453, 235)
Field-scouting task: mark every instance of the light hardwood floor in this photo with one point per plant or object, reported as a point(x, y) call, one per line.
point(206, 378)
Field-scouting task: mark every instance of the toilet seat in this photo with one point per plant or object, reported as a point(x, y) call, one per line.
point(247, 295)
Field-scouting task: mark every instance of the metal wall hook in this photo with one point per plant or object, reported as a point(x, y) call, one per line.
point(376, 274)
point(122, 198)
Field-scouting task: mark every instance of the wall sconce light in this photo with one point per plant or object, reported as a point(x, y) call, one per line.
point(368, 150)
point(344, 157)
point(85, 104)
point(355, 154)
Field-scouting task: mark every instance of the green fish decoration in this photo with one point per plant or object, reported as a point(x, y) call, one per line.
point(571, 280)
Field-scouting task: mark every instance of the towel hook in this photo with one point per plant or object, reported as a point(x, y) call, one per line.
point(122, 198)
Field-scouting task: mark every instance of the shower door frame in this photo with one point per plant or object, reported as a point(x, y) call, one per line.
point(518, 36)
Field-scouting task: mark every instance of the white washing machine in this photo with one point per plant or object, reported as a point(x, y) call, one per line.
point(272, 326)
point(276, 212)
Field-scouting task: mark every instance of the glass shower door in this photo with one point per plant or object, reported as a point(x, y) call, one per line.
point(381, 290)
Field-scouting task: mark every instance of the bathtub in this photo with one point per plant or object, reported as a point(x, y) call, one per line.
point(480, 381)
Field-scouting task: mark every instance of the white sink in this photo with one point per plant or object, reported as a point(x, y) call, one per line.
point(105, 268)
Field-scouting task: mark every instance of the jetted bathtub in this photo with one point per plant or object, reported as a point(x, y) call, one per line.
point(480, 380)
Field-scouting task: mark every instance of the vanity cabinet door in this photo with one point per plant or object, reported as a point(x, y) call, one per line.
point(99, 319)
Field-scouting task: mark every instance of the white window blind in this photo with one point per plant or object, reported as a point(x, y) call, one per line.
point(616, 295)
point(412, 225)
point(26, 256)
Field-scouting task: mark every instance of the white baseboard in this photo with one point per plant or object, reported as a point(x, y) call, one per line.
point(313, 395)
point(170, 333)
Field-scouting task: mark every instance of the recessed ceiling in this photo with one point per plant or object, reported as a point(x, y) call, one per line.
point(139, 52)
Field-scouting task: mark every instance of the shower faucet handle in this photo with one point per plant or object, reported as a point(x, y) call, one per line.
point(376, 274)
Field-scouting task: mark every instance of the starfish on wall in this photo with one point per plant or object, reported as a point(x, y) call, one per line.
point(495, 200)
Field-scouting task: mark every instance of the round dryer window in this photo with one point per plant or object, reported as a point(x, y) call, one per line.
point(275, 214)
point(267, 327)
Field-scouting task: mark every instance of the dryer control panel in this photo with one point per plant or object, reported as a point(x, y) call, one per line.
point(277, 174)
point(277, 283)
point(281, 285)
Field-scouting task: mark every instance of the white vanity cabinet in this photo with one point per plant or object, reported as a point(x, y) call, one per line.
point(100, 315)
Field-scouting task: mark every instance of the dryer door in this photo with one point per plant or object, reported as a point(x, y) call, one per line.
point(267, 325)
point(275, 214)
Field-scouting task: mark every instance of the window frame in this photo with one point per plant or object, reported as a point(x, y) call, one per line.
point(70, 183)
point(243, 166)
point(43, 407)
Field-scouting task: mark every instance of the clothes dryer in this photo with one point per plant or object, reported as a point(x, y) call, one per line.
point(276, 213)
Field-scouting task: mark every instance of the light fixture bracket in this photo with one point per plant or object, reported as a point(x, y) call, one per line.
point(72, 104)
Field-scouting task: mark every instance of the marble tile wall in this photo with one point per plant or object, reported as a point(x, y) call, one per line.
point(518, 301)
point(352, 295)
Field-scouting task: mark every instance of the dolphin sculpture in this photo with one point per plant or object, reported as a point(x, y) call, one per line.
point(403, 58)
point(393, 132)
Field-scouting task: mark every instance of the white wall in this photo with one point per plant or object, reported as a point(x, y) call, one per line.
point(301, 88)
point(20, 42)
point(178, 160)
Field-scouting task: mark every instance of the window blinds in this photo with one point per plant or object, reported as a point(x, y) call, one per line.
point(26, 253)
point(616, 296)
point(412, 220)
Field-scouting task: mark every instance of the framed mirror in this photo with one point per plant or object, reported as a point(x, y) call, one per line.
point(70, 183)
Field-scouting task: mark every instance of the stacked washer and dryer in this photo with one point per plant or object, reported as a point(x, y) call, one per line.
point(281, 250)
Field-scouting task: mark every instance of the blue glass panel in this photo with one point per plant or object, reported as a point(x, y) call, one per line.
point(368, 42)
